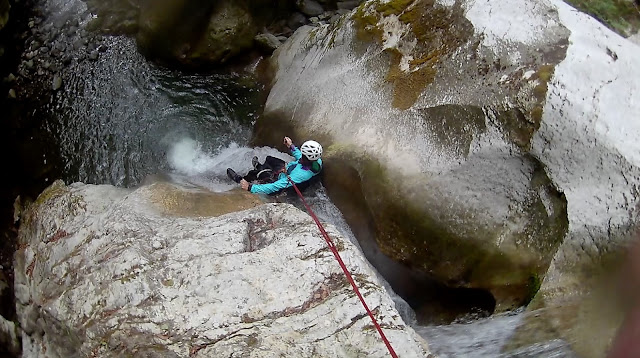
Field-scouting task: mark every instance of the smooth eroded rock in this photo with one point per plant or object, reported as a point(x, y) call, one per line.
point(113, 272)
point(436, 113)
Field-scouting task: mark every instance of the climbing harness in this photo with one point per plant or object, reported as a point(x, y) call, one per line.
point(334, 250)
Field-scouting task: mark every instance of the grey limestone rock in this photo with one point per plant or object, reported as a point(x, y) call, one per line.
point(111, 272)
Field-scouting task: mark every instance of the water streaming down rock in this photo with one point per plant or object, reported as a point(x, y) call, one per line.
point(487, 337)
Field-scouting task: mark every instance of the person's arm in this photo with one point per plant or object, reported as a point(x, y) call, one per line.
point(270, 188)
point(294, 150)
point(298, 175)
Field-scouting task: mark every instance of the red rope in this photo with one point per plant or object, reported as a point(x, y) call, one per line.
point(333, 249)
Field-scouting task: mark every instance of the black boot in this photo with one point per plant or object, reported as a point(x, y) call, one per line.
point(233, 175)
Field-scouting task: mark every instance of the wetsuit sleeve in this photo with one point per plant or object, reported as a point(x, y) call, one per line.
point(295, 152)
point(270, 188)
point(298, 175)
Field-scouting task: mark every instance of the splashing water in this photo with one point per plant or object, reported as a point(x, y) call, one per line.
point(191, 162)
point(119, 118)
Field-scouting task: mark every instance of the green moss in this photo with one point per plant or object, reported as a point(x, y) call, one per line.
point(312, 34)
point(622, 16)
point(518, 127)
point(536, 113)
point(393, 7)
point(533, 285)
point(543, 75)
point(367, 28)
point(438, 30)
point(409, 85)
point(57, 189)
point(545, 72)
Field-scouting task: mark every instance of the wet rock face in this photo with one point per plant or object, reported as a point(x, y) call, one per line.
point(213, 34)
point(587, 140)
point(109, 272)
point(475, 158)
point(436, 113)
point(190, 33)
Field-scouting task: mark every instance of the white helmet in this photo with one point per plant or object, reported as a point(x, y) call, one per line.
point(311, 149)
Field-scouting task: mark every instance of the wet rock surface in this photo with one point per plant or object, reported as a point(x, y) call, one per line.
point(436, 114)
point(187, 34)
point(482, 136)
point(454, 129)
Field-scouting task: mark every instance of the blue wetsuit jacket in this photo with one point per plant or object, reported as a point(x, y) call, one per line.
point(295, 170)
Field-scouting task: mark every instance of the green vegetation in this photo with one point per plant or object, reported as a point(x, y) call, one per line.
point(622, 16)
point(533, 286)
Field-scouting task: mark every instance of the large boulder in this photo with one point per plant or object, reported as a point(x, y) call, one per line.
point(436, 116)
point(212, 34)
point(187, 32)
point(449, 113)
point(161, 271)
point(588, 142)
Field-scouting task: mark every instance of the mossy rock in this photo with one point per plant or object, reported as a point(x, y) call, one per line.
point(230, 31)
point(437, 31)
point(172, 200)
point(454, 246)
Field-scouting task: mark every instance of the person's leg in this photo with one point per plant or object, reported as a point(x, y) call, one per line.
point(263, 172)
point(252, 175)
point(233, 175)
point(273, 163)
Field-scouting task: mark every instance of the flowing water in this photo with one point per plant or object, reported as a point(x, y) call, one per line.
point(120, 119)
point(121, 125)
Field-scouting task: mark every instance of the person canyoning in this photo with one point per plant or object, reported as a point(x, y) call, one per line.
point(273, 175)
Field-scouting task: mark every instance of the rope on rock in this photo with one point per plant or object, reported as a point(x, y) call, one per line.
point(334, 250)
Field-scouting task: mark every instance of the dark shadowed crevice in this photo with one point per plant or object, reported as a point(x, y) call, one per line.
point(433, 301)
